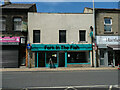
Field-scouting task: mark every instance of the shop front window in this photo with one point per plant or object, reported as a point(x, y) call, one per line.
point(77, 57)
point(52, 56)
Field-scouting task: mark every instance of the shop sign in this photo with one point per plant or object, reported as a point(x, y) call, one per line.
point(108, 40)
point(60, 47)
point(9, 39)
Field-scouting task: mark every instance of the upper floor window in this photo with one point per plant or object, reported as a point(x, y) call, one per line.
point(2, 24)
point(62, 36)
point(82, 35)
point(36, 36)
point(107, 24)
point(17, 24)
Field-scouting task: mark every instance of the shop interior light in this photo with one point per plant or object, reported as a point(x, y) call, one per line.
point(54, 55)
point(68, 55)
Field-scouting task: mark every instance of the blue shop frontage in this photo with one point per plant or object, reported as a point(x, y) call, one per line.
point(62, 55)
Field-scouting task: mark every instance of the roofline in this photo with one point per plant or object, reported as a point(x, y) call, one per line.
point(33, 4)
point(58, 13)
point(102, 8)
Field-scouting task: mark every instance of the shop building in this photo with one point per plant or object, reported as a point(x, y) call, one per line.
point(62, 38)
point(107, 23)
point(13, 37)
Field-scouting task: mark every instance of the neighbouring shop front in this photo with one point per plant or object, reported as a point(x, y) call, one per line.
point(109, 50)
point(61, 55)
point(9, 52)
point(12, 52)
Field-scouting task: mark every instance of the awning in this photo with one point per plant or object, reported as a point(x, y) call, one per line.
point(114, 47)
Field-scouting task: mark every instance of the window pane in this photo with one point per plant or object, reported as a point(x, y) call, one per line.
point(17, 24)
point(36, 36)
point(107, 20)
point(62, 36)
point(2, 24)
point(82, 35)
point(107, 27)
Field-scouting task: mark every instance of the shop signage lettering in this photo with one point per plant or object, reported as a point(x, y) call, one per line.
point(113, 40)
point(61, 47)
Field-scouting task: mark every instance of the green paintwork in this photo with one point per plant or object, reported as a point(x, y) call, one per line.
point(61, 47)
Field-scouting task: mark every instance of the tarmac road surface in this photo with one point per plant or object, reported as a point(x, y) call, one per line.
point(14, 80)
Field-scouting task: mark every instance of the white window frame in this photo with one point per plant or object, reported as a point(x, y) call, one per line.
point(108, 24)
point(3, 19)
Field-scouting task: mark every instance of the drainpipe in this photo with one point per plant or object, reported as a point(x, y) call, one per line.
point(94, 31)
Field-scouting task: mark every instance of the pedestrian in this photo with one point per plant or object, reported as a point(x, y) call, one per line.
point(50, 63)
point(54, 65)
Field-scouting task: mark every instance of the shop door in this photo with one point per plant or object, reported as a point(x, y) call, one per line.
point(110, 58)
point(61, 59)
point(117, 58)
point(41, 59)
point(102, 57)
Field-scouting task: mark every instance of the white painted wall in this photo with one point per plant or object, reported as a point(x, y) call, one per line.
point(49, 25)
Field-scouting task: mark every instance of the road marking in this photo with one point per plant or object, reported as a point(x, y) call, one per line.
point(73, 87)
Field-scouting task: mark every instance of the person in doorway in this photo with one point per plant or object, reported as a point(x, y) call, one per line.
point(54, 65)
point(50, 63)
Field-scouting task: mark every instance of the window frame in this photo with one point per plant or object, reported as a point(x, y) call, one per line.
point(34, 41)
point(65, 36)
point(84, 36)
point(108, 24)
point(17, 24)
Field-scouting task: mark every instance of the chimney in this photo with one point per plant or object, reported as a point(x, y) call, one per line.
point(7, 2)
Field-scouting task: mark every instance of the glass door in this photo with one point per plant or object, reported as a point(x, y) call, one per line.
point(51, 59)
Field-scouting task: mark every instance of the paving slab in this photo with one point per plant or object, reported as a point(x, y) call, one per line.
point(58, 69)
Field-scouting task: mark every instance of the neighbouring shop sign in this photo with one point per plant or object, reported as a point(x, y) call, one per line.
point(9, 40)
point(108, 40)
point(60, 47)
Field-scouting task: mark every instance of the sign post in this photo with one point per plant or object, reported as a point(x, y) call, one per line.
point(28, 47)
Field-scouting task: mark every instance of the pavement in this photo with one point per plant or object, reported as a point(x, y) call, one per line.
point(58, 69)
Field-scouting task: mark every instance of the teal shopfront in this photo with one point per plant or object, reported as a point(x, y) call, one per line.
point(61, 55)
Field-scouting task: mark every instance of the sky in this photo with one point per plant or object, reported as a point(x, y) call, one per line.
point(62, 6)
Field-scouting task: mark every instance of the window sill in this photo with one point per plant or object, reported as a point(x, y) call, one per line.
point(108, 32)
point(19, 31)
point(83, 42)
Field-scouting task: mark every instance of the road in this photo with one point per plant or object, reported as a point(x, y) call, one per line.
point(59, 78)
